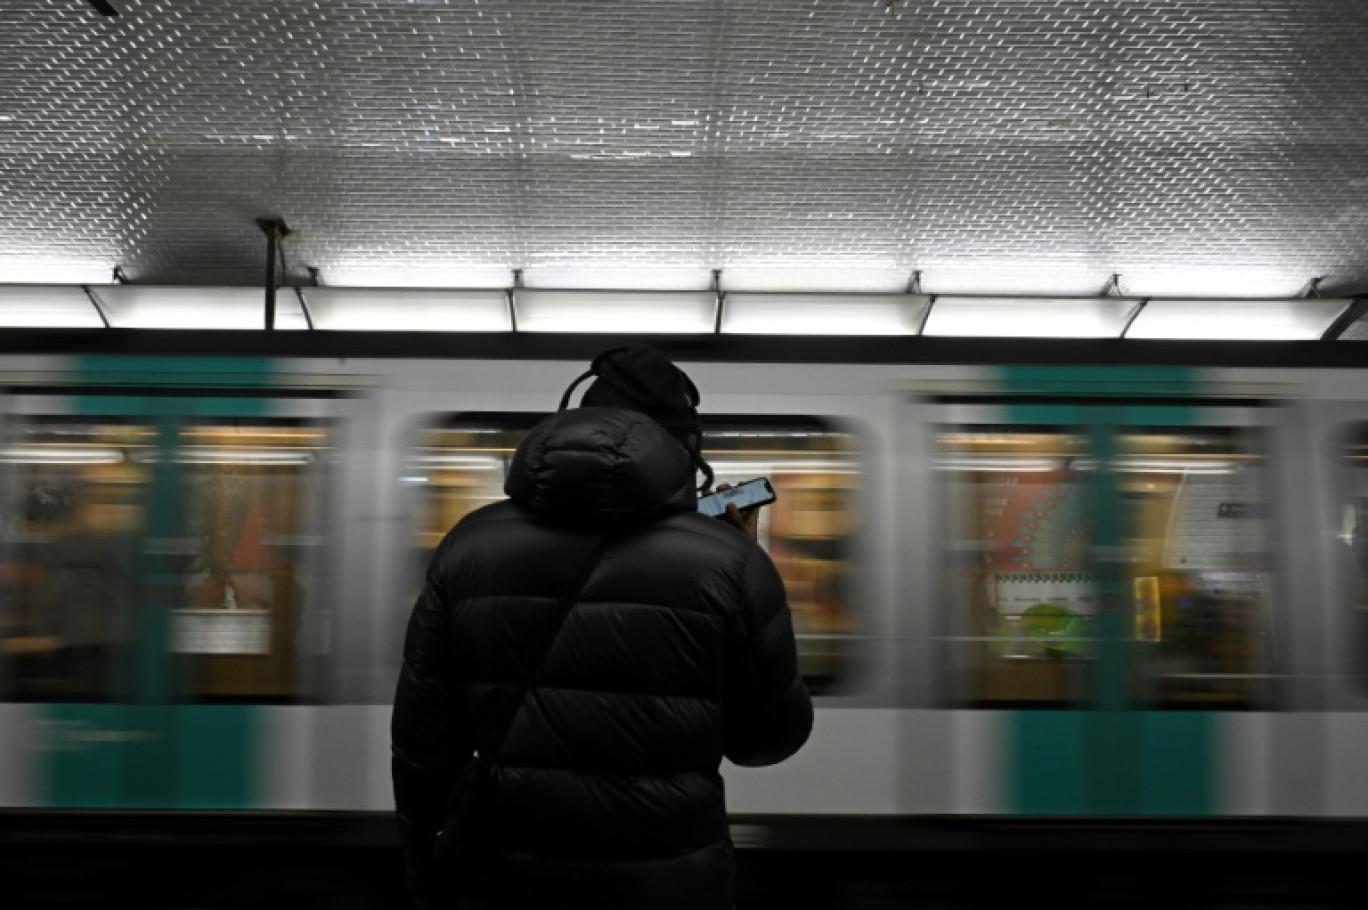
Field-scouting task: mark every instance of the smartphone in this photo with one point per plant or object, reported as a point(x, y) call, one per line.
point(748, 495)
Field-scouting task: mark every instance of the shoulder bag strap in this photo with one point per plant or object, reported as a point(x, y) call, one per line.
point(567, 604)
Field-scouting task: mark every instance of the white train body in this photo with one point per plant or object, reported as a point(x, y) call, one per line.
point(930, 715)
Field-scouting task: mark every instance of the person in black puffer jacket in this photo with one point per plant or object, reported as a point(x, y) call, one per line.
point(678, 652)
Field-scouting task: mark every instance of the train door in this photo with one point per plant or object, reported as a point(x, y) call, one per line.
point(1331, 539)
point(161, 554)
point(1107, 589)
point(1335, 439)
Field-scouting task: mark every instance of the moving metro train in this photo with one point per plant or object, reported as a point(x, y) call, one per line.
point(1057, 581)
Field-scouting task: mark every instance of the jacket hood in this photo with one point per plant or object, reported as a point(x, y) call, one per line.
point(598, 464)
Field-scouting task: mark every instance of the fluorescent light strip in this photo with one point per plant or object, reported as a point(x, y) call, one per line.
point(409, 309)
point(1028, 317)
point(999, 465)
point(130, 306)
point(822, 314)
point(781, 467)
point(1161, 466)
point(59, 455)
point(612, 311)
point(775, 434)
point(413, 273)
point(1123, 465)
point(456, 462)
point(27, 306)
point(232, 456)
point(1299, 319)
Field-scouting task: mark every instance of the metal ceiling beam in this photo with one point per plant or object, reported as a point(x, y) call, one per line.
point(95, 302)
point(304, 308)
point(511, 293)
point(768, 349)
point(1134, 314)
point(721, 300)
point(1352, 313)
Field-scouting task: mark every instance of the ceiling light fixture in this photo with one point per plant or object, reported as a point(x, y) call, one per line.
point(1299, 319)
point(409, 309)
point(613, 311)
point(1028, 317)
point(48, 307)
point(702, 311)
point(823, 314)
point(136, 306)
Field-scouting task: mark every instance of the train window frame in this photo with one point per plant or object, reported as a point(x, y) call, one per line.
point(855, 662)
point(1349, 589)
point(312, 672)
point(1253, 440)
point(1262, 691)
point(311, 677)
point(12, 552)
point(947, 621)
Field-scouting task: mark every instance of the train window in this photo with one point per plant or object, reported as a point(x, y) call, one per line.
point(458, 468)
point(72, 497)
point(1198, 580)
point(460, 464)
point(808, 530)
point(1024, 601)
point(210, 526)
point(1027, 591)
point(251, 509)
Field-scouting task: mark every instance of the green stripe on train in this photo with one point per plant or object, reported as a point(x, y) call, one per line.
point(190, 373)
point(197, 376)
point(1133, 384)
point(141, 756)
point(1156, 763)
point(1100, 382)
point(151, 752)
point(1107, 757)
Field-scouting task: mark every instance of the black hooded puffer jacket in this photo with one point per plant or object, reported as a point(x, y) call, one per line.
point(679, 651)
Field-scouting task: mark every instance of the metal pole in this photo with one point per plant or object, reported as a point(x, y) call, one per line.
point(275, 231)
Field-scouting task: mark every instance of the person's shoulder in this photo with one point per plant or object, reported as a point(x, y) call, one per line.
point(713, 531)
point(473, 522)
point(503, 510)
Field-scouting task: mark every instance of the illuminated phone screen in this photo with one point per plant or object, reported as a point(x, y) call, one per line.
point(747, 495)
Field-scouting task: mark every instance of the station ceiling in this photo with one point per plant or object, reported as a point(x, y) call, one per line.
point(1180, 148)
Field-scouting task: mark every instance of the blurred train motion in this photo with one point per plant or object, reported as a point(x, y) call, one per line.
point(1050, 592)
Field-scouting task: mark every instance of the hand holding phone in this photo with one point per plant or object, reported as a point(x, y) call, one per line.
point(739, 505)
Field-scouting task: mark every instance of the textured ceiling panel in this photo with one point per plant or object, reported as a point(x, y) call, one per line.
point(1194, 147)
